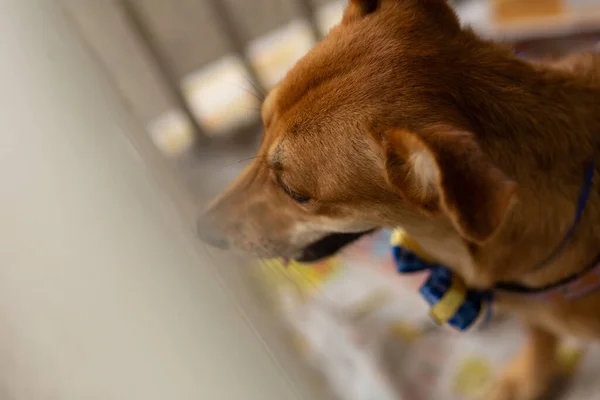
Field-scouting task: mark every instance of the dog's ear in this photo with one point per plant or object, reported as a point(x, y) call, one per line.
point(437, 9)
point(359, 8)
point(365, 6)
point(369, 6)
point(444, 170)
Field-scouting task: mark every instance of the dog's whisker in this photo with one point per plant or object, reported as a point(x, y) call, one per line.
point(256, 93)
point(243, 160)
point(259, 92)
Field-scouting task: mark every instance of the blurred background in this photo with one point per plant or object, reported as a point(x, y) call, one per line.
point(140, 317)
point(193, 71)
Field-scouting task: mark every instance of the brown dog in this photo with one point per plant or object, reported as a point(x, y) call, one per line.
point(400, 117)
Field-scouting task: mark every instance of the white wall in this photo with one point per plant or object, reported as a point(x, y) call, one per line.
point(101, 296)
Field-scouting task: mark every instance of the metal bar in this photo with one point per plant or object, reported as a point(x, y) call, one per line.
point(235, 39)
point(308, 11)
point(148, 40)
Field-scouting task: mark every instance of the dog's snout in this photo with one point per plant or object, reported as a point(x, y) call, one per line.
point(209, 235)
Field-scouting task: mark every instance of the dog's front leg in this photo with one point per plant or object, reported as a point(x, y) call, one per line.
point(530, 375)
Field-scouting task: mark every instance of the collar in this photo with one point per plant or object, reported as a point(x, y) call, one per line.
point(584, 196)
point(452, 303)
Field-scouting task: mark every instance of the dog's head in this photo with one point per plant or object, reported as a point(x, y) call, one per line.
point(364, 133)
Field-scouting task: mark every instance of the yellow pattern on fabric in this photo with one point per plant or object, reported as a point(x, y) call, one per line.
point(569, 359)
point(473, 378)
point(296, 279)
point(444, 310)
point(405, 331)
point(401, 239)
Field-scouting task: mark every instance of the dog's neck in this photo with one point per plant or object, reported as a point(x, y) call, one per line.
point(545, 116)
point(540, 125)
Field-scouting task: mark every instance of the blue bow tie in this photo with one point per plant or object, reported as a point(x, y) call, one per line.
point(450, 301)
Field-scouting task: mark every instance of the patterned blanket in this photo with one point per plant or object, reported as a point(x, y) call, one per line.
point(367, 331)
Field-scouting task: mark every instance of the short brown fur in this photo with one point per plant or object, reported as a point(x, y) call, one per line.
point(401, 118)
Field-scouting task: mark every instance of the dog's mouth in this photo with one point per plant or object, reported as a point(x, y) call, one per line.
point(329, 246)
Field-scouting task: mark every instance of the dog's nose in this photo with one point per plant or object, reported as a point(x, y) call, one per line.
point(207, 234)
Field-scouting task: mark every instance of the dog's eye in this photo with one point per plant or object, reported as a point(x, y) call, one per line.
point(299, 198)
